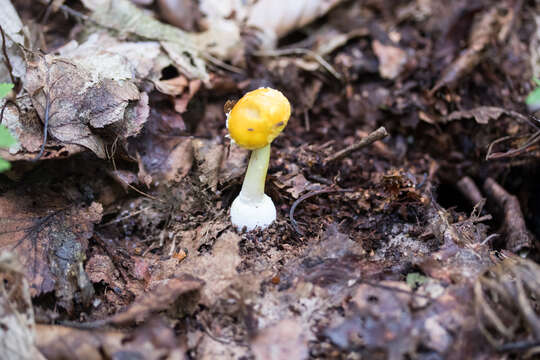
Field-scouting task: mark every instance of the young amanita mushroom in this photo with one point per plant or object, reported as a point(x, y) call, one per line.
point(253, 123)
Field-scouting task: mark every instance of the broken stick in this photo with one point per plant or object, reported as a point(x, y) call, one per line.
point(378, 134)
point(518, 238)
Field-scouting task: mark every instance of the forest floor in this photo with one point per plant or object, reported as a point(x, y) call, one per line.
point(115, 238)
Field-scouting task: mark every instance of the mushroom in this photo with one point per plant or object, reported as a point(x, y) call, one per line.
point(253, 123)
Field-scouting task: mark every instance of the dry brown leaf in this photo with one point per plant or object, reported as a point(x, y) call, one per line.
point(484, 30)
point(181, 103)
point(392, 59)
point(15, 39)
point(234, 164)
point(129, 20)
point(161, 296)
point(482, 114)
point(381, 318)
point(298, 184)
point(80, 100)
point(179, 162)
point(17, 332)
point(174, 86)
point(217, 269)
point(208, 155)
point(101, 268)
point(26, 127)
point(50, 238)
point(285, 340)
point(153, 341)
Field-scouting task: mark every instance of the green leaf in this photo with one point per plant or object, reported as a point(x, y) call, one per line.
point(533, 97)
point(536, 81)
point(533, 100)
point(415, 279)
point(4, 165)
point(5, 88)
point(6, 140)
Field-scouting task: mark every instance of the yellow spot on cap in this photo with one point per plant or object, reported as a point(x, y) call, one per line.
point(258, 117)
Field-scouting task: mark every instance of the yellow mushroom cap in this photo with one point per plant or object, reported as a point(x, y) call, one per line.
point(258, 117)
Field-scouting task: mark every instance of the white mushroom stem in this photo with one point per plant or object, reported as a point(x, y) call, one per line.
point(253, 208)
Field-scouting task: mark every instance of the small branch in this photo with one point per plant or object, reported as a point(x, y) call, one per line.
point(518, 237)
point(6, 57)
point(300, 51)
point(469, 189)
point(376, 135)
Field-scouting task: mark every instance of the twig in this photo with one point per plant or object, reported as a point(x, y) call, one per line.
point(6, 57)
point(469, 189)
point(534, 138)
point(391, 288)
point(45, 124)
point(518, 237)
point(8, 102)
point(301, 51)
point(307, 196)
point(518, 346)
point(376, 135)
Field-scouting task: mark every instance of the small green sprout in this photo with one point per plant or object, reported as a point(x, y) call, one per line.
point(6, 139)
point(533, 99)
point(415, 279)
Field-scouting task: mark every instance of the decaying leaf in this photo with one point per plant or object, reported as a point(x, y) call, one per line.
point(285, 340)
point(208, 154)
point(217, 271)
point(276, 19)
point(485, 29)
point(160, 297)
point(392, 59)
point(15, 38)
point(17, 332)
point(80, 95)
point(50, 239)
point(482, 114)
point(381, 318)
point(506, 302)
point(155, 340)
point(127, 19)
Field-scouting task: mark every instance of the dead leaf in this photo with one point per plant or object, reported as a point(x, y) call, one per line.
point(80, 100)
point(274, 19)
point(210, 349)
point(208, 154)
point(101, 268)
point(481, 114)
point(181, 104)
point(392, 59)
point(298, 184)
point(484, 30)
point(174, 86)
point(17, 326)
point(15, 40)
point(285, 340)
point(217, 269)
point(161, 296)
point(26, 128)
point(155, 340)
point(234, 164)
point(50, 238)
point(381, 318)
point(179, 162)
point(128, 19)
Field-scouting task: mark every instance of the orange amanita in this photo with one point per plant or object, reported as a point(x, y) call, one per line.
point(253, 123)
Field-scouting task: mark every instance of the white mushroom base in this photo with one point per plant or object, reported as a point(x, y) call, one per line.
point(251, 214)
